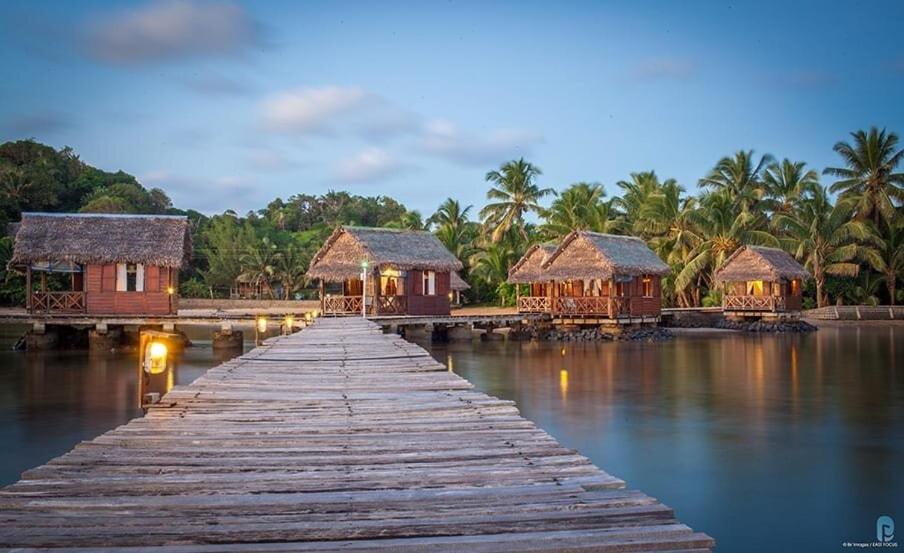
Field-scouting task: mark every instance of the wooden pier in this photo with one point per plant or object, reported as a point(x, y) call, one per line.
point(337, 438)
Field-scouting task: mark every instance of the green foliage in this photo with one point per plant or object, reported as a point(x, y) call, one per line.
point(853, 245)
point(193, 288)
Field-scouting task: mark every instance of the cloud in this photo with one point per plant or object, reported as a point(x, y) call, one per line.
point(310, 109)
point(36, 125)
point(372, 164)
point(207, 195)
point(655, 69)
point(444, 139)
point(172, 29)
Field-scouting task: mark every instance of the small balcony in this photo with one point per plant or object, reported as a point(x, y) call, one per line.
point(57, 302)
point(351, 305)
point(761, 303)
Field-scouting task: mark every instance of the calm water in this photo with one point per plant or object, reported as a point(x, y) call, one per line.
point(774, 443)
point(779, 443)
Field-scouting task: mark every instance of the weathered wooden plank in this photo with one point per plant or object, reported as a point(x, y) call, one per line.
point(339, 438)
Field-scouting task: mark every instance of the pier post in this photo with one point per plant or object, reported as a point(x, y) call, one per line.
point(460, 333)
point(227, 338)
point(104, 338)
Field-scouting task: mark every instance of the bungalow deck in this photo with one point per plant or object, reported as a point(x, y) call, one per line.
point(337, 438)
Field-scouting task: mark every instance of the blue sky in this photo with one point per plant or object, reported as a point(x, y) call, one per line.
point(227, 105)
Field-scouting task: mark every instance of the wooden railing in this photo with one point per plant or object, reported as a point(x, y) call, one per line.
point(393, 305)
point(61, 302)
point(754, 303)
point(341, 305)
point(612, 308)
point(533, 304)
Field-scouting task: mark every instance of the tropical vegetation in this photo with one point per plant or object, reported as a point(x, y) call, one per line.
point(847, 231)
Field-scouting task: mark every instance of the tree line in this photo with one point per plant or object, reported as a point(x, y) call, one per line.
point(847, 233)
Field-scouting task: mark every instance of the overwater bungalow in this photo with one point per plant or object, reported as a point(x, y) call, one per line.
point(594, 278)
point(101, 264)
point(759, 281)
point(392, 272)
point(529, 271)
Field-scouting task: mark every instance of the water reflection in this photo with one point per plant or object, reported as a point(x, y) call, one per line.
point(766, 442)
point(50, 401)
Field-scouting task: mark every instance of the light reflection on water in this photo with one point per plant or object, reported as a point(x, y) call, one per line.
point(790, 443)
point(50, 401)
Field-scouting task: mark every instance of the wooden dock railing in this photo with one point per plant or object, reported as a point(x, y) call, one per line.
point(338, 438)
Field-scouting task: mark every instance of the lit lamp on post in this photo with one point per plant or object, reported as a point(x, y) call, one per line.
point(169, 293)
point(364, 288)
point(260, 329)
point(156, 373)
point(288, 324)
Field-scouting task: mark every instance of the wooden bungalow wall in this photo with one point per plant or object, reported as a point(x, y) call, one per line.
point(419, 304)
point(102, 297)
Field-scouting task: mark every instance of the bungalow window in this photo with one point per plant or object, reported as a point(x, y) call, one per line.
point(129, 277)
point(429, 283)
point(392, 283)
point(795, 287)
point(754, 287)
point(620, 289)
point(647, 285)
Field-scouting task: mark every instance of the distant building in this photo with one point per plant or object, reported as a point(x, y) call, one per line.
point(757, 280)
point(592, 277)
point(457, 285)
point(101, 264)
point(407, 272)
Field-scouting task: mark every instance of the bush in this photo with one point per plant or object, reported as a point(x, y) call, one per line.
point(194, 288)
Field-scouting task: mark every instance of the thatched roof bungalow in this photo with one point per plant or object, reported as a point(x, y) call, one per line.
point(593, 255)
point(408, 272)
point(761, 279)
point(118, 264)
point(529, 269)
point(592, 275)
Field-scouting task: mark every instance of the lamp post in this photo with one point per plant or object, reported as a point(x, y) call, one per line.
point(156, 372)
point(260, 329)
point(364, 289)
point(288, 324)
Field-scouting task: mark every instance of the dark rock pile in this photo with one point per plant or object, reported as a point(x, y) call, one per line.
point(594, 334)
point(766, 326)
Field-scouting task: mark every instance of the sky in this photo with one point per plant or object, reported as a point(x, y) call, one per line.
point(227, 105)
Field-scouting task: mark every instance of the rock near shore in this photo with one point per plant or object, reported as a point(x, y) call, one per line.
point(766, 326)
point(648, 334)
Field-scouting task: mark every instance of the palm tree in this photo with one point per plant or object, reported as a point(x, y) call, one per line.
point(490, 267)
point(290, 268)
point(410, 220)
point(826, 238)
point(669, 219)
point(739, 177)
point(514, 193)
point(888, 257)
point(579, 207)
point(453, 229)
point(259, 265)
point(722, 230)
point(869, 174)
point(636, 193)
point(785, 183)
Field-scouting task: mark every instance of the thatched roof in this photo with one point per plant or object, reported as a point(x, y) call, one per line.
point(90, 238)
point(585, 255)
point(760, 263)
point(457, 283)
point(530, 267)
point(341, 256)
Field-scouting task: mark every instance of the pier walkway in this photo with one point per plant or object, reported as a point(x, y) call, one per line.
point(337, 438)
